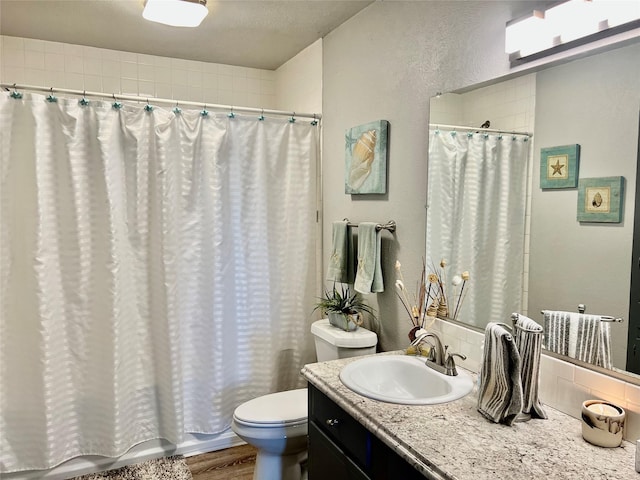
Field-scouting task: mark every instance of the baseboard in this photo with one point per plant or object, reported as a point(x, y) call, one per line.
point(194, 444)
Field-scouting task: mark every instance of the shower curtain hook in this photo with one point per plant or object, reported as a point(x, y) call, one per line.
point(314, 122)
point(147, 107)
point(261, 117)
point(51, 98)
point(116, 104)
point(293, 118)
point(177, 110)
point(15, 94)
point(83, 101)
point(204, 111)
point(231, 114)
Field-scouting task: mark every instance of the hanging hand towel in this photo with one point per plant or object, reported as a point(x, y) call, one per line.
point(528, 338)
point(369, 271)
point(577, 335)
point(500, 393)
point(556, 331)
point(604, 352)
point(342, 262)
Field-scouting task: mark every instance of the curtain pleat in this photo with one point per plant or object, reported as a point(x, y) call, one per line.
point(476, 218)
point(156, 271)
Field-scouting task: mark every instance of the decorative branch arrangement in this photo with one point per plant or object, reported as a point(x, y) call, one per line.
point(431, 298)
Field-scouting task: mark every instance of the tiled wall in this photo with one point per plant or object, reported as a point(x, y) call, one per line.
point(563, 386)
point(510, 105)
point(52, 64)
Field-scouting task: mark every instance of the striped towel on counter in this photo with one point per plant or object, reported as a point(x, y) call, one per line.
point(500, 393)
point(528, 338)
point(577, 335)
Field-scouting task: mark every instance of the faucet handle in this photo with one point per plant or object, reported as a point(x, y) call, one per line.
point(450, 364)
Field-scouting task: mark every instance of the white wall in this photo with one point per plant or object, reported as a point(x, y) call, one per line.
point(299, 81)
point(385, 63)
point(589, 263)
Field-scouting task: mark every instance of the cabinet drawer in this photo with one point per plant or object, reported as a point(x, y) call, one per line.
point(341, 428)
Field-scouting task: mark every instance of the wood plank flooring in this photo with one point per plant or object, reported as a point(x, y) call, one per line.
point(235, 463)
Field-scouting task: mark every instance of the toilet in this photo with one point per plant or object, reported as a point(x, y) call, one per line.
point(276, 424)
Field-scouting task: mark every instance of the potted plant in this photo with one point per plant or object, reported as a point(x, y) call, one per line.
point(343, 308)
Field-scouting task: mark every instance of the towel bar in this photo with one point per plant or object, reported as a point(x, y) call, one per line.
point(390, 225)
point(603, 318)
point(514, 318)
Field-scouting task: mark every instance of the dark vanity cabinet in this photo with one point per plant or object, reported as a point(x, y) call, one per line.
point(340, 448)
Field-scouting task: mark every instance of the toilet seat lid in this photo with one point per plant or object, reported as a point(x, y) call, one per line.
point(275, 408)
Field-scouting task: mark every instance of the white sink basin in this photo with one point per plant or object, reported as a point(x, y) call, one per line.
point(403, 379)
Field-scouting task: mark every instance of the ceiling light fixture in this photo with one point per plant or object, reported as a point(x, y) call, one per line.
point(566, 25)
point(177, 13)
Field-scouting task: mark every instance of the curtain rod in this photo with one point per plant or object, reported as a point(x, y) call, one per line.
point(136, 98)
point(478, 130)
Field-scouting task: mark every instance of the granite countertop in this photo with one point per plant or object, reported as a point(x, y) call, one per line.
point(453, 441)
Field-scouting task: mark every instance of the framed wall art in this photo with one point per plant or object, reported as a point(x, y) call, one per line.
point(600, 199)
point(366, 158)
point(559, 166)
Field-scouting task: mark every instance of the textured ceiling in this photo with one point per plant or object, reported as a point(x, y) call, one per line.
point(251, 33)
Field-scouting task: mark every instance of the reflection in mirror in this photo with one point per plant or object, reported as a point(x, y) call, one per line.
point(593, 102)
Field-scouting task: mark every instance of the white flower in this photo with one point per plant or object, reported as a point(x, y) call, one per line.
point(456, 280)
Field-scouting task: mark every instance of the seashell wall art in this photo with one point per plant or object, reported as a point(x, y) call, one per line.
point(366, 158)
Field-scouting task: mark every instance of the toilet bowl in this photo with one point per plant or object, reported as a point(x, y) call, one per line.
point(276, 424)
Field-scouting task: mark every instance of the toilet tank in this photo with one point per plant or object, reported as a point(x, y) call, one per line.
point(333, 343)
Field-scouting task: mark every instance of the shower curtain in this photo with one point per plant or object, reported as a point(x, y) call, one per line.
point(157, 269)
point(476, 206)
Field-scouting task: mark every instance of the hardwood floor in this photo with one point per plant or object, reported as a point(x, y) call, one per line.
point(235, 463)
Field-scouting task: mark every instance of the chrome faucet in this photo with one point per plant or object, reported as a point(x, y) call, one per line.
point(439, 359)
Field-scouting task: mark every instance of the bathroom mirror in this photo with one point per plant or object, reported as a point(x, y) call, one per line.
point(593, 102)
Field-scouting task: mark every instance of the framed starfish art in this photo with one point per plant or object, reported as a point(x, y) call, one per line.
point(559, 166)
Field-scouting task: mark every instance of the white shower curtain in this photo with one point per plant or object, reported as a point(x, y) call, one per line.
point(476, 205)
point(157, 269)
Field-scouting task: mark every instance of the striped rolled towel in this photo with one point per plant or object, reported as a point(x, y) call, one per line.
point(528, 338)
point(500, 393)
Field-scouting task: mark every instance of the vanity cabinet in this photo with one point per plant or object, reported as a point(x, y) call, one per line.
point(341, 448)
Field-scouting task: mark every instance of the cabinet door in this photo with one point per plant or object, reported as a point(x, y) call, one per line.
point(342, 429)
point(328, 461)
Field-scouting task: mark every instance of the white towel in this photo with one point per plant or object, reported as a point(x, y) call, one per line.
point(577, 335)
point(528, 338)
point(369, 271)
point(500, 393)
point(342, 262)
